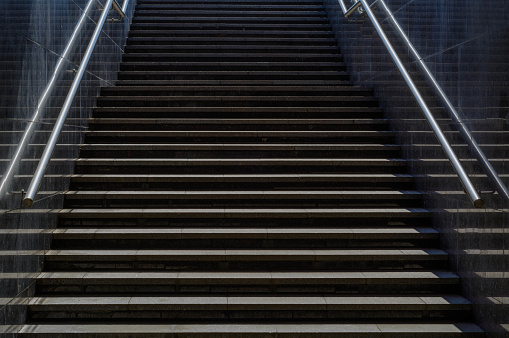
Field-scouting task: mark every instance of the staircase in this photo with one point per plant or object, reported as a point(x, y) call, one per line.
point(234, 183)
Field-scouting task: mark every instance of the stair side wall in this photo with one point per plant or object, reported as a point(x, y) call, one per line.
point(33, 36)
point(465, 44)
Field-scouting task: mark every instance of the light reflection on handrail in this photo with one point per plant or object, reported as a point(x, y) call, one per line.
point(124, 6)
point(465, 180)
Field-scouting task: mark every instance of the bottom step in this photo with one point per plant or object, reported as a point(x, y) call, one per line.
point(255, 330)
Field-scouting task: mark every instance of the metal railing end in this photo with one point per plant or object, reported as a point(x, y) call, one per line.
point(28, 202)
point(478, 203)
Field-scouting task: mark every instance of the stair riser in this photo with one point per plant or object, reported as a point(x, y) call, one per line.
point(214, 48)
point(211, 13)
point(231, 42)
point(173, 28)
point(275, 75)
point(231, 33)
point(250, 265)
point(232, 66)
point(246, 222)
point(243, 203)
point(240, 288)
point(144, 102)
point(230, 2)
point(161, 126)
point(232, 57)
point(233, 17)
point(217, 243)
point(225, 169)
point(240, 153)
point(194, 92)
point(266, 112)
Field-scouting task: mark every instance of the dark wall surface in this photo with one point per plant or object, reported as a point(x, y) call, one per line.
point(33, 36)
point(465, 43)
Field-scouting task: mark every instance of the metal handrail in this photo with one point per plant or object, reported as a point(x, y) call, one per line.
point(44, 99)
point(28, 201)
point(465, 180)
point(462, 128)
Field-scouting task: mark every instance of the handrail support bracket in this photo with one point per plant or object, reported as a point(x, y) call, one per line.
point(352, 9)
point(118, 8)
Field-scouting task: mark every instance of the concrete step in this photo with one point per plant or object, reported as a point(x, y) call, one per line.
point(393, 213)
point(296, 330)
point(233, 57)
point(253, 238)
point(244, 181)
point(228, 6)
point(211, 12)
point(250, 136)
point(204, 124)
point(263, 91)
point(246, 41)
point(231, 166)
point(246, 259)
point(235, 2)
point(310, 27)
point(235, 150)
point(231, 48)
point(341, 136)
point(294, 195)
point(237, 308)
point(232, 66)
point(211, 81)
point(237, 178)
point(252, 199)
point(303, 33)
point(233, 18)
point(388, 282)
point(240, 112)
point(278, 75)
point(256, 233)
point(237, 101)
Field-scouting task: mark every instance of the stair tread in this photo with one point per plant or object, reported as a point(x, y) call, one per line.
point(225, 133)
point(241, 177)
point(239, 110)
point(142, 120)
point(269, 233)
point(155, 82)
point(278, 278)
point(247, 146)
point(153, 162)
point(229, 53)
point(217, 303)
point(267, 329)
point(235, 72)
point(240, 194)
point(238, 98)
point(264, 254)
point(242, 213)
point(239, 88)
